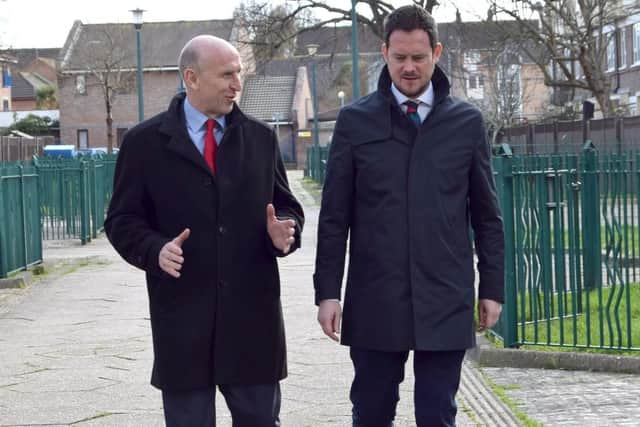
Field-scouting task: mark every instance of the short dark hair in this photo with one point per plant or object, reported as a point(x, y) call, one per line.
point(409, 18)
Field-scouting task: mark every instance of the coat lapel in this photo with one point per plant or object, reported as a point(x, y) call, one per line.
point(179, 141)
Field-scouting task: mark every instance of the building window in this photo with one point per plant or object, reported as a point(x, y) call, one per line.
point(81, 85)
point(475, 81)
point(471, 57)
point(6, 76)
point(623, 47)
point(83, 138)
point(636, 42)
point(611, 52)
point(5, 104)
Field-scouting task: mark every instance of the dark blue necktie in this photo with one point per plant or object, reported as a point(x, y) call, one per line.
point(412, 112)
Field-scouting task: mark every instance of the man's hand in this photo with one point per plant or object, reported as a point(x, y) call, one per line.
point(170, 257)
point(329, 317)
point(488, 313)
point(280, 231)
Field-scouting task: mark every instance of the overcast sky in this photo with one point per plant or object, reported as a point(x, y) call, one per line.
point(42, 23)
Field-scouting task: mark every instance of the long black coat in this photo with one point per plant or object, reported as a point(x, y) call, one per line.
point(407, 196)
point(221, 321)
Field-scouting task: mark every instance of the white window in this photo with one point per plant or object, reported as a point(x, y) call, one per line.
point(472, 57)
point(83, 138)
point(475, 81)
point(611, 52)
point(623, 47)
point(633, 105)
point(81, 85)
point(636, 42)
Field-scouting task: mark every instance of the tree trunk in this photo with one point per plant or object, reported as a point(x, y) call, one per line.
point(109, 132)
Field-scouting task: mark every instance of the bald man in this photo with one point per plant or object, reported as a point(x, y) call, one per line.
point(201, 203)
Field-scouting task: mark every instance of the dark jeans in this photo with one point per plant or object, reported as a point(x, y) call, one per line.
point(374, 392)
point(250, 406)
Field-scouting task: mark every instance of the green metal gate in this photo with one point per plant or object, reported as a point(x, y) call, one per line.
point(571, 227)
point(20, 244)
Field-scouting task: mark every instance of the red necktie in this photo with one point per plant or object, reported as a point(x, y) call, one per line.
point(210, 146)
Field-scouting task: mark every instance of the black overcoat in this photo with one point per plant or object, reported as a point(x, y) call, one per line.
point(221, 321)
point(406, 197)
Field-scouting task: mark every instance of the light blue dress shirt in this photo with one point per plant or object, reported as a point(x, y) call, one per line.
point(197, 125)
point(424, 101)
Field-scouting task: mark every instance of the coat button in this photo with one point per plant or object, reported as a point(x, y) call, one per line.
point(222, 230)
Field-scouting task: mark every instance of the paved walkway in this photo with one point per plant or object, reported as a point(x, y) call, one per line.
point(75, 349)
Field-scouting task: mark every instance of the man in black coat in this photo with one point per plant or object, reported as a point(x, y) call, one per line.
point(408, 173)
point(201, 203)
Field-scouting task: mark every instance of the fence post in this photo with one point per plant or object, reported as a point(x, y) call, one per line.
point(94, 199)
point(504, 184)
point(3, 231)
point(85, 213)
point(591, 240)
point(23, 213)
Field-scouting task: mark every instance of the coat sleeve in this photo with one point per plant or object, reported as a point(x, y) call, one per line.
point(284, 201)
point(335, 216)
point(486, 221)
point(128, 219)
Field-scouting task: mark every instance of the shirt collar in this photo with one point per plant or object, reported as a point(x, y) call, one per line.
point(196, 120)
point(426, 97)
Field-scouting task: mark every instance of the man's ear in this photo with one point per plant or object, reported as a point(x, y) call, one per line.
point(190, 78)
point(437, 51)
point(385, 51)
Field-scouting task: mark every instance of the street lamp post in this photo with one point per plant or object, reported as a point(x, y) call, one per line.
point(354, 51)
point(341, 97)
point(315, 168)
point(137, 23)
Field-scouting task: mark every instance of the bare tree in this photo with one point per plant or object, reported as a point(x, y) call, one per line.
point(568, 41)
point(106, 59)
point(507, 93)
point(281, 24)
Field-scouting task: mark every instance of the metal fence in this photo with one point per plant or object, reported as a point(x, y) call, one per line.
point(49, 200)
point(572, 236)
point(316, 166)
point(620, 134)
point(572, 252)
point(74, 194)
point(20, 243)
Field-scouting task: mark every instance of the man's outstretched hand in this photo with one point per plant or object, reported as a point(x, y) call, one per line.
point(170, 257)
point(280, 231)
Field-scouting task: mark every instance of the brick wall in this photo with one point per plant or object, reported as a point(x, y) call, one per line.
point(23, 105)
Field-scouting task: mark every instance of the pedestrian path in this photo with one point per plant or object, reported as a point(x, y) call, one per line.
point(76, 349)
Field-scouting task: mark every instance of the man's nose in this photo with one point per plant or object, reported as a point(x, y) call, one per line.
point(409, 66)
point(236, 84)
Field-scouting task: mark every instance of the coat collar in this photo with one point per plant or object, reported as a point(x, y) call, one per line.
point(383, 116)
point(174, 125)
point(441, 86)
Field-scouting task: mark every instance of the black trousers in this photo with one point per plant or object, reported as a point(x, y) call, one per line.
point(375, 387)
point(250, 406)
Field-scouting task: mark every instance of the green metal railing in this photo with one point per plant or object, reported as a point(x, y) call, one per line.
point(74, 196)
point(50, 199)
point(572, 253)
point(20, 244)
point(316, 165)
